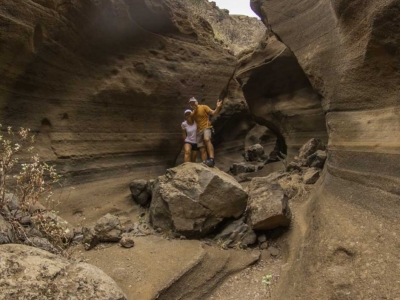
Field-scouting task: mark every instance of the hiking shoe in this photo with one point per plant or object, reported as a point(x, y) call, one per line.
point(209, 162)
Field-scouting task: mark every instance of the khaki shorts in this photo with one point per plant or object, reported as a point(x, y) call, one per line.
point(201, 135)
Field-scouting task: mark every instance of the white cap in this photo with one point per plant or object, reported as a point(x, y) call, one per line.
point(193, 99)
point(187, 111)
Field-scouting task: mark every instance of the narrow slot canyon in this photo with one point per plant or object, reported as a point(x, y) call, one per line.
point(302, 201)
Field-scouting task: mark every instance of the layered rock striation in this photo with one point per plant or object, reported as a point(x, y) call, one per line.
point(348, 50)
point(104, 83)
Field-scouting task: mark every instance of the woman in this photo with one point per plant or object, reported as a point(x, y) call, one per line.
point(189, 134)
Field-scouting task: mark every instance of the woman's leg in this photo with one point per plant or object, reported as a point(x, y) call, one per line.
point(187, 148)
point(194, 155)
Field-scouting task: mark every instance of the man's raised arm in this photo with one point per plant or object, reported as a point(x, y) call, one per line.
point(218, 109)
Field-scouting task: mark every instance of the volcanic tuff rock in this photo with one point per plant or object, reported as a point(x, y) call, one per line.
point(30, 273)
point(280, 96)
point(349, 53)
point(192, 199)
point(237, 33)
point(104, 83)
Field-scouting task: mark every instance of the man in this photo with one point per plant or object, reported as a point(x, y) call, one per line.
point(200, 115)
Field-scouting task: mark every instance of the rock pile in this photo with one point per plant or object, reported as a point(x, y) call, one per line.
point(255, 158)
point(311, 154)
point(193, 201)
point(33, 225)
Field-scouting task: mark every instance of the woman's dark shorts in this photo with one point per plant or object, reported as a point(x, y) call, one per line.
point(194, 146)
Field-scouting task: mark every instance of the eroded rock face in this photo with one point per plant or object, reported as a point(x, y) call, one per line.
point(109, 86)
point(280, 95)
point(192, 199)
point(349, 52)
point(31, 273)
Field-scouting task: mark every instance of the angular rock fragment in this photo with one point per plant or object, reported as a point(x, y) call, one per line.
point(238, 168)
point(268, 205)
point(141, 191)
point(255, 153)
point(127, 240)
point(317, 159)
point(107, 229)
point(311, 176)
point(90, 239)
point(6, 232)
point(311, 147)
point(192, 199)
point(42, 243)
point(297, 164)
point(237, 233)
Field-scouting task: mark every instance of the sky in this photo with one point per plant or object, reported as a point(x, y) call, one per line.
point(236, 7)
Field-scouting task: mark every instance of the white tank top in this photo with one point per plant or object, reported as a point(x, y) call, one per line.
point(191, 132)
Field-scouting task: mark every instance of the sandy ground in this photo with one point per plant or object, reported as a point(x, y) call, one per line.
point(156, 261)
point(247, 284)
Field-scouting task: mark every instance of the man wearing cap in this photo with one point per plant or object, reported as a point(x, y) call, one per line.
point(200, 115)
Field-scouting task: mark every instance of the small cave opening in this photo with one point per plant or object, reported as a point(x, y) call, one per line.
point(37, 38)
point(45, 126)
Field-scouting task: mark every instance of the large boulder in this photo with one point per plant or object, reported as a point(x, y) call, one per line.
point(192, 199)
point(268, 205)
point(31, 273)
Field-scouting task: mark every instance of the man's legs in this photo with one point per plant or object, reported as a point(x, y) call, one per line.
point(187, 148)
point(201, 146)
point(207, 142)
point(210, 148)
point(203, 153)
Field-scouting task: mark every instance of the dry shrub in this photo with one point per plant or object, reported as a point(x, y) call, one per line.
point(29, 182)
point(293, 186)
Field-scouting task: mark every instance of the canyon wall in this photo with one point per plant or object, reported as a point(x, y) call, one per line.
point(349, 52)
point(280, 96)
point(104, 83)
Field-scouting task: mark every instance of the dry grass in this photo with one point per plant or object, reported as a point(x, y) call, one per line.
point(294, 188)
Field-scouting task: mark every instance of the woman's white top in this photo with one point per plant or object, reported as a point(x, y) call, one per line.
point(191, 132)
